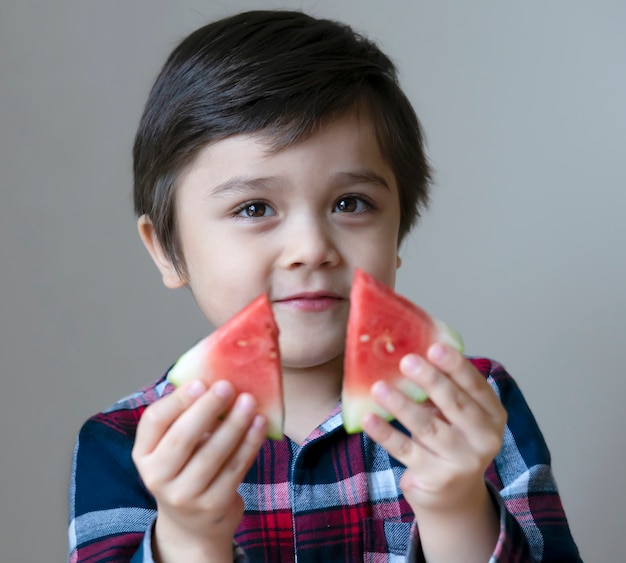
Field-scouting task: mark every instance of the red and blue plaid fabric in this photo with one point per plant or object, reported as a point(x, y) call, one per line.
point(335, 498)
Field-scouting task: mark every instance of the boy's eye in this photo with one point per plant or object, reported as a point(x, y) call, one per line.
point(352, 204)
point(255, 209)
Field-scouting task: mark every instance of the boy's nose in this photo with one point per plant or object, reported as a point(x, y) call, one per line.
point(309, 242)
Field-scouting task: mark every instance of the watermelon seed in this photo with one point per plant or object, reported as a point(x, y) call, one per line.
point(273, 355)
point(364, 338)
point(390, 347)
point(242, 343)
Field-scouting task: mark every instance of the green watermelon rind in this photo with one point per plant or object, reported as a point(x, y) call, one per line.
point(447, 335)
point(190, 364)
point(354, 409)
point(356, 406)
point(186, 367)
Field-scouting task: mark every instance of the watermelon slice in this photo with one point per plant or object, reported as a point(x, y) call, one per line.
point(382, 328)
point(245, 352)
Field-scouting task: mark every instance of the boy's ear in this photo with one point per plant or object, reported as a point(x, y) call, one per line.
point(171, 278)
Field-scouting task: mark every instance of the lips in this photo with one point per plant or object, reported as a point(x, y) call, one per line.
point(311, 301)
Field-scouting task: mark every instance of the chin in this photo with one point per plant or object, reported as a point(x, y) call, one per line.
point(310, 358)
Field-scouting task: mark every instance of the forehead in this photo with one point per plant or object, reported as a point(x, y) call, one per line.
point(348, 141)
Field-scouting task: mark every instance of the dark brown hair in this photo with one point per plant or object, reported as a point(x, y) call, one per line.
point(280, 74)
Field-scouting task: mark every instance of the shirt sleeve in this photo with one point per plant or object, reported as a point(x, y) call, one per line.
point(533, 525)
point(111, 512)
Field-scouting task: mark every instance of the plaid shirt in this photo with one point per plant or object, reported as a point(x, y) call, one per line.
point(333, 498)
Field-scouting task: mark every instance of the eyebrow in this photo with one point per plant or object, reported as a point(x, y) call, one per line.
point(243, 184)
point(361, 176)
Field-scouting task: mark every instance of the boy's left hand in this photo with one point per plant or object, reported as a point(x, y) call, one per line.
point(454, 435)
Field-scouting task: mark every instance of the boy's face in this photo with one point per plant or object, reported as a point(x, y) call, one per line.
point(293, 223)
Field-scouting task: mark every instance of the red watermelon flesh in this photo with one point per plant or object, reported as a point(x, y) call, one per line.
point(382, 328)
point(245, 352)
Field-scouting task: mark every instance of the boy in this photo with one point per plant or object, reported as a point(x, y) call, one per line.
point(276, 154)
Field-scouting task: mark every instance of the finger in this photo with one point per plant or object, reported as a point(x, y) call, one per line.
point(463, 396)
point(400, 446)
point(160, 415)
point(184, 435)
point(465, 375)
point(208, 461)
point(453, 401)
point(198, 418)
point(463, 385)
point(424, 424)
point(235, 469)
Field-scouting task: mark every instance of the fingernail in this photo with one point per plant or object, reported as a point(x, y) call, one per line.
point(222, 389)
point(245, 403)
point(196, 388)
point(258, 422)
point(411, 364)
point(437, 352)
point(371, 422)
point(380, 389)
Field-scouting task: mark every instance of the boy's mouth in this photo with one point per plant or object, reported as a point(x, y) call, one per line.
point(311, 301)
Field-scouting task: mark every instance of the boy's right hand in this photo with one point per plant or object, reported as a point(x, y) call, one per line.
point(192, 449)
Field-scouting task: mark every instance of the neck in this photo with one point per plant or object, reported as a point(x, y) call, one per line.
point(310, 395)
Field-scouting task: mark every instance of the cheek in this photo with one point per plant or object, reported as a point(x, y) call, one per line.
point(387, 273)
point(212, 254)
point(217, 302)
point(380, 252)
point(226, 277)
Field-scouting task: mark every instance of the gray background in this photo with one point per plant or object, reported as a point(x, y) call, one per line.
point(523, 250)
